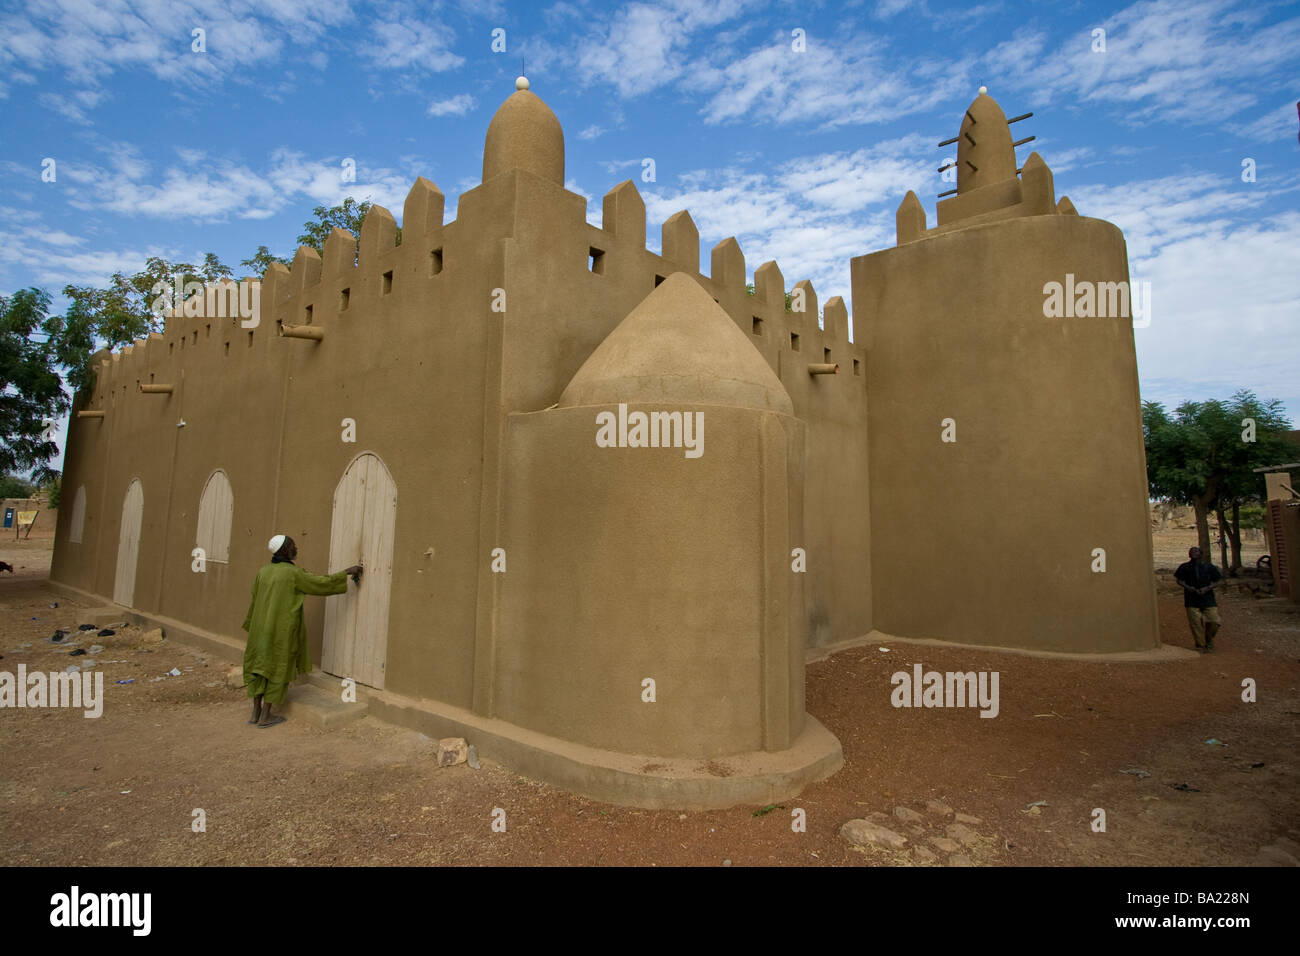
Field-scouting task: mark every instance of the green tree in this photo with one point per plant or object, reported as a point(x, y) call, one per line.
point(31, 394)
point(12, 486)
point(1201, 456)
point(1241, 486)
point(53, 489)
point(261, 260)
point(39, 351)
point(129, 308)
point(351, 215)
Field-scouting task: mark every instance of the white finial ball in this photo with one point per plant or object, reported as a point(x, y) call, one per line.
point(983, 90)
point(521, 83)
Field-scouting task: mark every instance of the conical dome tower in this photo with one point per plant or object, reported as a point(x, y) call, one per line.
point(678, 346)
point(984, 152)
point(524, 134)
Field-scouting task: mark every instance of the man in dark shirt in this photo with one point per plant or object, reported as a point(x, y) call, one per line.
point(1198, 579)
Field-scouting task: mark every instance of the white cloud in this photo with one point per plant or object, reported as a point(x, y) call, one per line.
point(411, 44)
point(1222, 270)
point(1280, 123)
point(89, 40)
point(1188, 61)
point(644, 45)
point(457, 105)
point(73, 106)
point(811, 214)
point(211, 189)
point(834, 82)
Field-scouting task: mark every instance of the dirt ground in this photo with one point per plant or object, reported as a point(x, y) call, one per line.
point(122, 789)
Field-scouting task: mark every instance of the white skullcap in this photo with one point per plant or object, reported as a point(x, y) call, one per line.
point(276, 543)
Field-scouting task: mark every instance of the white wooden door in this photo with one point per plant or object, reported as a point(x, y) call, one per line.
point(78, 523)
point(128, 544)
point(216, 512)
point(356, 623)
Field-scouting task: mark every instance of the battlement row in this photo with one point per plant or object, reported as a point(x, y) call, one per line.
point(375, 264)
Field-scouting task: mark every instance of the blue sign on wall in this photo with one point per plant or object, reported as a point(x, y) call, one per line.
point(9, 517)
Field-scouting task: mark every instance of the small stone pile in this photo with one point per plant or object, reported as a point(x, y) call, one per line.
point(954, 846)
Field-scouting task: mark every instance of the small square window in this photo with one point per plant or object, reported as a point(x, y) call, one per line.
point(758, 326)
point(435, 261)
point(388, 282)
point(794, 341)
point(596, 260)
point(343, 299)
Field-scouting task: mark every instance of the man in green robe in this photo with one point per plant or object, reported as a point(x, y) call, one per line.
point(277, 638)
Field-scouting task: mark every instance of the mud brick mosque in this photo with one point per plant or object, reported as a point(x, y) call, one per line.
point(499, 417)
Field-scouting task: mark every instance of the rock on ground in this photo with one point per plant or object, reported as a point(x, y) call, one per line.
point(938, 808)
point(908, 815)
point(451, 751)
point(866, 833)
point(962, 834)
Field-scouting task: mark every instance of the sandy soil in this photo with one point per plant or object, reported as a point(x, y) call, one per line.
point(122, 789)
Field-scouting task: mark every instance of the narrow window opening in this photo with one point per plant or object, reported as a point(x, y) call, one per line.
point(658, 279)
point(435, 261)
point(343, 299)
point(307, 315)
point(794, 341)
point(857, 367)
point(596, 260)
point(388, 282)
point(826, 356)
point(758, 326)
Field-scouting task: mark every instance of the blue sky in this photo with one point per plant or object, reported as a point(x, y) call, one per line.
point(804, 157)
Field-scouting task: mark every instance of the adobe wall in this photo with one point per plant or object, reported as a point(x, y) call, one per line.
point(989, 540)
point(635, 563)
point(406, 365)
point(559, 311)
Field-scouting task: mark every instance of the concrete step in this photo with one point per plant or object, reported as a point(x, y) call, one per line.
point(321, 708)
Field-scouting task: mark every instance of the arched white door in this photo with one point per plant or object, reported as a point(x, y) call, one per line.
point(356, 623)
point(216, 512)
point(128, 544)
point(78, 523)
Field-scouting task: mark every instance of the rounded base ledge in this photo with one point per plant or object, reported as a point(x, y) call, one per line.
point(634, 780)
